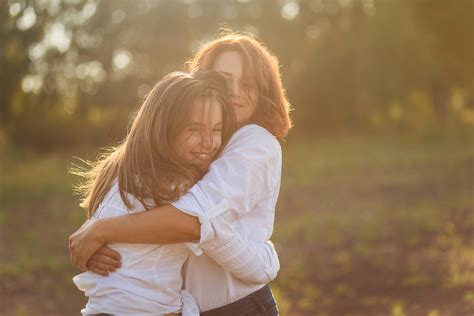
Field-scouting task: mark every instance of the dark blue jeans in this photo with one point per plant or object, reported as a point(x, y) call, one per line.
point(260, 303)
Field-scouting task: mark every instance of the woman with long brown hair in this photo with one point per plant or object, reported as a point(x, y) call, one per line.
point(174, 136)
point(235, 198)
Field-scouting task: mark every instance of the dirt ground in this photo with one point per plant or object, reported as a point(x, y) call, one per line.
point(386, 232)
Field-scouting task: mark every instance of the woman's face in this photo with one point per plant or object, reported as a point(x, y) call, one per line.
point(243, 94)
point(201, 138)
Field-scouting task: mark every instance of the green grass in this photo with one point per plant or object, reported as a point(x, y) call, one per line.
point(37, 214)
point(365, 226)
point(377, 226)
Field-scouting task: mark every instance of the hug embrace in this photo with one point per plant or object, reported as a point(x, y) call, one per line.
point(181, 212)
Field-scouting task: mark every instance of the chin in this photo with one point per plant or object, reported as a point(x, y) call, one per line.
point(203, 165)
point(204, 168)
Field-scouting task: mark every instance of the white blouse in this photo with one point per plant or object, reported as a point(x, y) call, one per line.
point(235, 202)
point(149, 282)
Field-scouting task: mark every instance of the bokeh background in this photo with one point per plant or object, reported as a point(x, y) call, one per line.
point(376, 212)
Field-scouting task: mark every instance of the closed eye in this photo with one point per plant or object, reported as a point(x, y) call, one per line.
point(217, 127)
point(194, 128)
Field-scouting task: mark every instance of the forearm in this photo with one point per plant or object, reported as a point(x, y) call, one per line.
point(163, 225)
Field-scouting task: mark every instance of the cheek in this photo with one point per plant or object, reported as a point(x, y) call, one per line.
point(186, 144)
point(191, 142)
point(251, 99)
point(182, 152)
point(217, 141)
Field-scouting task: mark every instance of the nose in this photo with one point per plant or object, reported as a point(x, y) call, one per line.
point(207, 141)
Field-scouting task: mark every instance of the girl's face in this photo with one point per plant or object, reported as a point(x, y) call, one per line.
point(243, 94)
point(200, 140)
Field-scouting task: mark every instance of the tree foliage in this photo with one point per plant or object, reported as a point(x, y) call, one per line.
point(347, 64)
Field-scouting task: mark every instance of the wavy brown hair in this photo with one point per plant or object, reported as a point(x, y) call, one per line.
point(145, 162)
point(261, 68)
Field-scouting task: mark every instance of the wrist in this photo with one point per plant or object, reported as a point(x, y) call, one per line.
point(98, 229)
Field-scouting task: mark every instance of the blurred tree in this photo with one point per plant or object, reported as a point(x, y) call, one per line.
point(347, 64)
point(39, 57)
point(19, 28)
point(450, 27)
point(370, 55)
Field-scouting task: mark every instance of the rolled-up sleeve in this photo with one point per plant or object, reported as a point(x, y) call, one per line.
point(248, 260)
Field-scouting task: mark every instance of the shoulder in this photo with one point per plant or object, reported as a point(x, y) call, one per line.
point(253, 136)
point(254, 132)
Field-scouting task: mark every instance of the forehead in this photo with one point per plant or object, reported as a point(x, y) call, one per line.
point(206, 109)
point(230, 62)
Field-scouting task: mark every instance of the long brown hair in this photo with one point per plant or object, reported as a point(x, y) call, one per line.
point(145, 163)
point(261, 68)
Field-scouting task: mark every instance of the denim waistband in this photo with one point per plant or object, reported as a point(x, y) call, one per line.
point(260, 302)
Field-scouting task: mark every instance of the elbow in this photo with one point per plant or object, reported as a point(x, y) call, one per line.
point(263, 276)
point(272, 272)
point(274, 266)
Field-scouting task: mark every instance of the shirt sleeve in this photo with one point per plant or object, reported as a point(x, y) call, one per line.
point(248, 260)
point(245, 174)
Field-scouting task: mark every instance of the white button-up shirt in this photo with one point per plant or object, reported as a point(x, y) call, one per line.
point(235, 202)
point(149, 282)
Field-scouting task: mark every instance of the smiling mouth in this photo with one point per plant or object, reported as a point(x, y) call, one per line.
point(238, 105)
point(202, 156)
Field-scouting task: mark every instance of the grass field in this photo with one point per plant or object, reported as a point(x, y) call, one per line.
point(365, 226)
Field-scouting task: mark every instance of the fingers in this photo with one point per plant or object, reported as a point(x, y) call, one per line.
point(100, 265)
point(98, 271)
point(77, 259)
point(83, 266)
point(106, 260)
point(106, 251)
point(72, 253)
point(104, 263)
